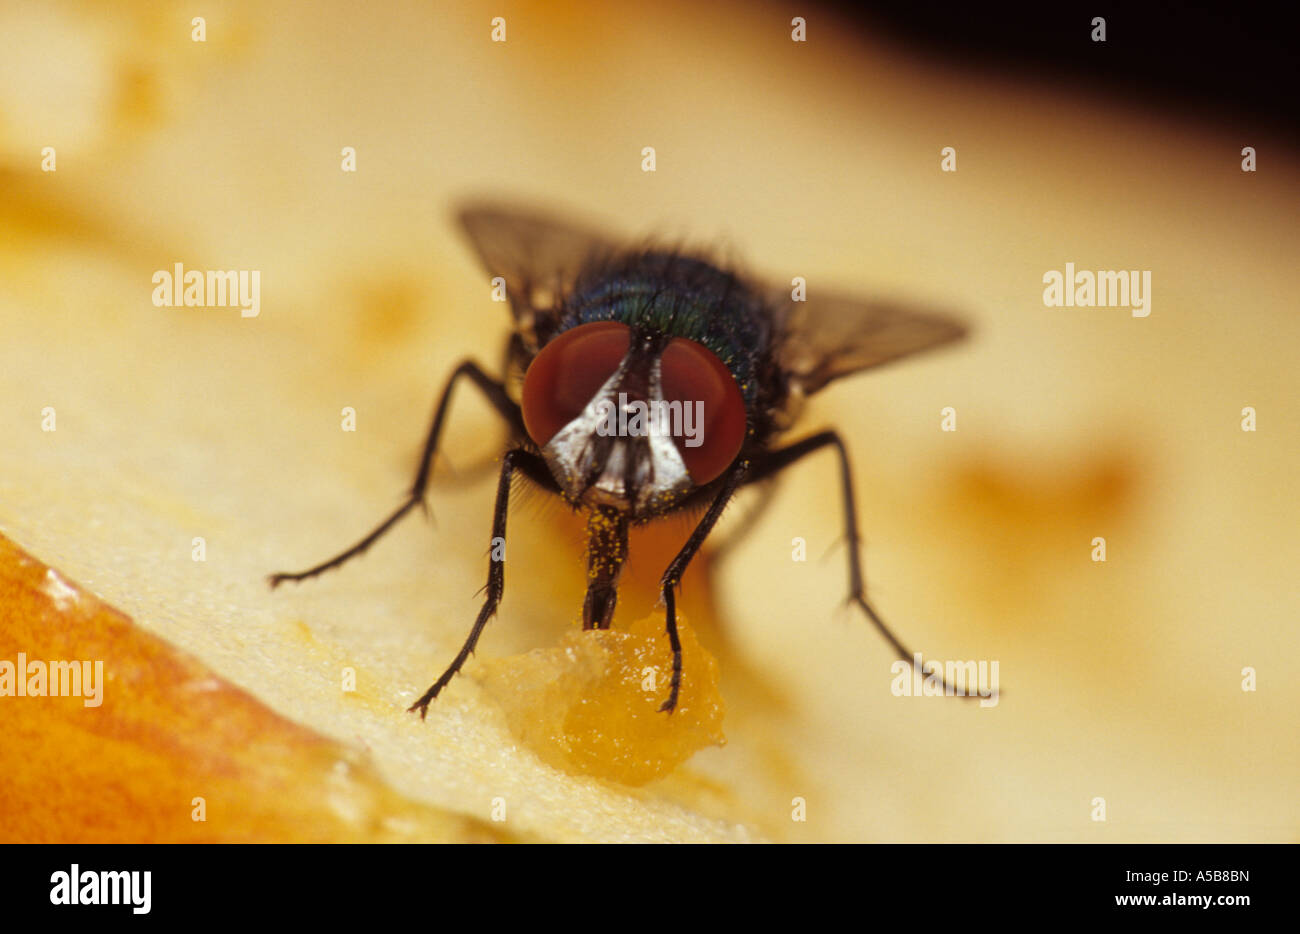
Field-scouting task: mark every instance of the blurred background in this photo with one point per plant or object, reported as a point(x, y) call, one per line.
point(821, 159)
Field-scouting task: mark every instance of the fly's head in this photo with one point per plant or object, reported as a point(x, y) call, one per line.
point(632, 418)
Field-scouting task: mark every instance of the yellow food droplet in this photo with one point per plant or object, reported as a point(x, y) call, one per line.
point(591, 705)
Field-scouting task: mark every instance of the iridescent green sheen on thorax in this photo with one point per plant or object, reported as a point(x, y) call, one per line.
point(679, 297)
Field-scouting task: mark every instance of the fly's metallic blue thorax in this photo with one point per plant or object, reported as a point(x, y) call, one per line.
point(679, 296)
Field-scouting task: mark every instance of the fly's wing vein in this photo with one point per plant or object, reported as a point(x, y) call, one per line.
point(538, 255)
point(830, 336)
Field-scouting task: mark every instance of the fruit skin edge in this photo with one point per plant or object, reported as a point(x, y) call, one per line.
point(168, 732)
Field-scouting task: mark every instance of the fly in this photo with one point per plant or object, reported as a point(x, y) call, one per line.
point(643, 381)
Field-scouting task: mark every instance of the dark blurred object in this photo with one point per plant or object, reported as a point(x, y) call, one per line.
point(1234, 66)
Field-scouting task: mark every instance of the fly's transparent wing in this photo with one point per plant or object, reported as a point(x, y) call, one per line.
point(538, 255)
point(830, 336)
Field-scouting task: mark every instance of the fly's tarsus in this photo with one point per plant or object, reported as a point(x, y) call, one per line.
point(778, 460)
point(275, 580)
point(673, 576)
point(495, 394)
point(516, 459)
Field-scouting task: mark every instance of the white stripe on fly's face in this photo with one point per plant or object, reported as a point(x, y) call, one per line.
point(659, 474)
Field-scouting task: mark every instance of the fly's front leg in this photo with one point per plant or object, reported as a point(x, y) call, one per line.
point(533, 466)
point(495, 393)
point(673, 576)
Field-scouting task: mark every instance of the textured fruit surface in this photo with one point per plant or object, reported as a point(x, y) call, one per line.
point(171, 753)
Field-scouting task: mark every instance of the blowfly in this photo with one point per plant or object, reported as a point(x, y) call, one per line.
point(643, 380)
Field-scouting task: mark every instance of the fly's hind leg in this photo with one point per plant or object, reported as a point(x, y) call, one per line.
point(778, 460)
point(493, 391)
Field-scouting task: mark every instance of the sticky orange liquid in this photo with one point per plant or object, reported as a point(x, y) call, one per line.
point(590, 705)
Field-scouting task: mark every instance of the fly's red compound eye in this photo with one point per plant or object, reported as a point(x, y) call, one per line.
point(567, 372)
point(690, 373)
